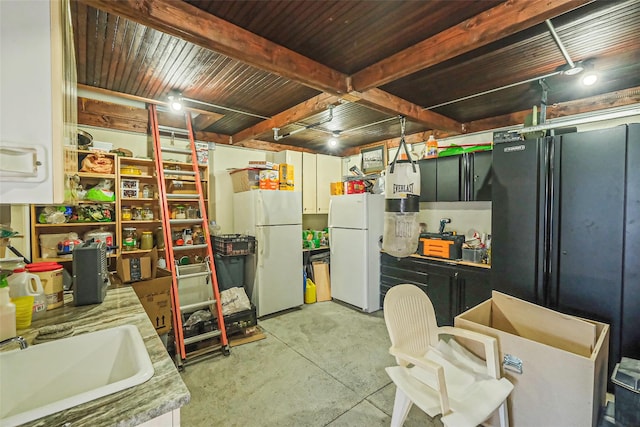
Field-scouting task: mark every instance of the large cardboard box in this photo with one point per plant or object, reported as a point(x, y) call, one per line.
point(245, 179)
point(556, 362)
point(134, 269)
point(155, 297)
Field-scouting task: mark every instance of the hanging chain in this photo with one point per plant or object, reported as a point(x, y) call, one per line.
point(401, 146)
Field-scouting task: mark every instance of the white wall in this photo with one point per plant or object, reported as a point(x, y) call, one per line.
point(222, 159)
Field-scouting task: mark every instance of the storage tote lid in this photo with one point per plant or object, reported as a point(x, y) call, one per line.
point(38, 267)
point(627, 374)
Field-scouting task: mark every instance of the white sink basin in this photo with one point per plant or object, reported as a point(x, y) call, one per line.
point(46, 378)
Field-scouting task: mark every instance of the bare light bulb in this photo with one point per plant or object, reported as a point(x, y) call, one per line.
point(589, 79)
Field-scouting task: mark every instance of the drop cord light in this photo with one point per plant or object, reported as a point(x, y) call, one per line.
point(402, 203)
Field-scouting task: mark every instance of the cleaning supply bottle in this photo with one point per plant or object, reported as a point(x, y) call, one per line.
point(22, 284)
point(7, 312)
point(432, 148)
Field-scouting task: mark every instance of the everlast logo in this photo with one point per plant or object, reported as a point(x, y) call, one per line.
point(403, 188)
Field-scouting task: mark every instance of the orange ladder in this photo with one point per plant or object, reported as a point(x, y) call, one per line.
point(207, 296)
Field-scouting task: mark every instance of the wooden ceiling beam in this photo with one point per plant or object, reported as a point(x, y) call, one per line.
point(182, 20)
point(494, 24)
point(619, 98)
point(385, 102)
point(299, 112)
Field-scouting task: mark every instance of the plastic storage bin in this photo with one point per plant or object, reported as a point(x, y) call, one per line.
point(626, 377)
point(473, 255)
point(234, 244)
point(230, 270)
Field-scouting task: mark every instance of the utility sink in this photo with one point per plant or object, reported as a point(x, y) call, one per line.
point(47, 378)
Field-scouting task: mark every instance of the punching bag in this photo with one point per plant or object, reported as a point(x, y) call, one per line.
point(402, 204)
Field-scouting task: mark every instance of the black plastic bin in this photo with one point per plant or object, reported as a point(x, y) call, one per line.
point(230, 271)
point(626, 377)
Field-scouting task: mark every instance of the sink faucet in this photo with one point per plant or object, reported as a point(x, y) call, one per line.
point(20, 340)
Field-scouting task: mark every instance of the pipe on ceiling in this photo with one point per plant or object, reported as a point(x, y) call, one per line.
point(277, 137)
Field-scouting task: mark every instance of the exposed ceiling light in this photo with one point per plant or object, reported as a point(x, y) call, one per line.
point(333, 142)
point(589, 78)
point(175, 100)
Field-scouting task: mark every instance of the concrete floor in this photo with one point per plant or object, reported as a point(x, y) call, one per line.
point(321, 365)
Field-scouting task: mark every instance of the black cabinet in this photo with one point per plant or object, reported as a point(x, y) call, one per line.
point(450, 179)
point(479, 170)
point(451, 288)
point(465, 177)
point(475, 287)
point(428, 180)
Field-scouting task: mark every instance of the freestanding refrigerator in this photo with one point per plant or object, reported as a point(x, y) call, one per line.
point(274, 217)
point(566, 227)
point(355, 230)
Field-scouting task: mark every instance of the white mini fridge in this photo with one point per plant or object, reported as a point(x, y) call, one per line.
point(355, 230)
point(274, 217)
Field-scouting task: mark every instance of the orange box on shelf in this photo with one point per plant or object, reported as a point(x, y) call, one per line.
point(286, 176)
point(354, 187)
point(337, 188)
point(269, 179)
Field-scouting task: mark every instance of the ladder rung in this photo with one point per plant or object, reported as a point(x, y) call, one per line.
point(189, 247)
point(174, 150)
point(202, 337)
point(177, 172)
point(185, 221)
point(192, 275)
point(191, 196)
point(197, 305)
point(173, 129)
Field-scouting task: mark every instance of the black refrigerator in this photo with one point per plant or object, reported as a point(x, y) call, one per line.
point(566, 227)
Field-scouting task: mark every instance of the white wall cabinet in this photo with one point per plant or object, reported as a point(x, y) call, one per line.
point(318, 172)
point(38, 100)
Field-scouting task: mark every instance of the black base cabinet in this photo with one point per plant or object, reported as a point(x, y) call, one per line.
point(451, 288)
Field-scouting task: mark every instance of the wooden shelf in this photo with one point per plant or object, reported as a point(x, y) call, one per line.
point(76, 224)
point(141, 222)
point(92, 202)
point(134, 176)
point(138, 251)
point(96, 175)
point(139, 199)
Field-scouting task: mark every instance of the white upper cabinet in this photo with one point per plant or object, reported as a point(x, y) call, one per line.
point(38, 100)
point(318, 172)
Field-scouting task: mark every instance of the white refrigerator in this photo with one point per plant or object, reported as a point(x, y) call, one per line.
point(355, 230)
point(274, 217)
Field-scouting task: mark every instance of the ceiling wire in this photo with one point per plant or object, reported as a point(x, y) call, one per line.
point(563, 50)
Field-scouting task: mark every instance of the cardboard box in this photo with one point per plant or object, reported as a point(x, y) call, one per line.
point(134, 269)
point(556, 362)
point(245, 179)
point(269, 179)
point(322, 280)
point(155, 297)
point(287, 181)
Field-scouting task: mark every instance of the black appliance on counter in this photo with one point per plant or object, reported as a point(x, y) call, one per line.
point(90, 274)
point(566, 227)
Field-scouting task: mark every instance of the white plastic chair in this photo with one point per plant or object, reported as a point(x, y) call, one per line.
point(440, 378)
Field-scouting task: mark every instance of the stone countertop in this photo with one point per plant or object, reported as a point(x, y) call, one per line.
point(162, 393)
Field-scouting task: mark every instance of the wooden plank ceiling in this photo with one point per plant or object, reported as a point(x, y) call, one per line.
point(259, 65)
